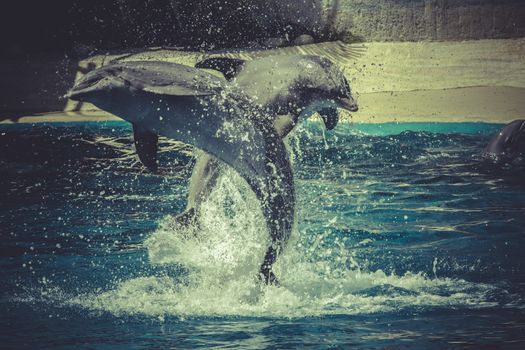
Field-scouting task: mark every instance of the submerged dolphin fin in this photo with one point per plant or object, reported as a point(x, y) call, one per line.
point(229, 67)
point(146, 145)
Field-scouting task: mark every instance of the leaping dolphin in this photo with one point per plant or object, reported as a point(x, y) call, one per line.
point(289, 85)
point(258, 79)
point(218, 117)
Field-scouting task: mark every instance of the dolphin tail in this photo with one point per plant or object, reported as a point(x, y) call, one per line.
point(277, 196)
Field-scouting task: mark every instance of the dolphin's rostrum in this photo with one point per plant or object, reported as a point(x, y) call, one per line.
point(218, 117)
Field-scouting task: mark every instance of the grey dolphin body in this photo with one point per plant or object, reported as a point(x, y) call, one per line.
point(509, 141)
point(216, 116)
point(278, 84)
point(270, 82)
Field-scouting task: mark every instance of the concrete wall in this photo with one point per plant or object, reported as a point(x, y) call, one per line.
point(412, 20)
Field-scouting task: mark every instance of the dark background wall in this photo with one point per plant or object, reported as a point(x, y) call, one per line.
point(45, 25)
point(32, 26)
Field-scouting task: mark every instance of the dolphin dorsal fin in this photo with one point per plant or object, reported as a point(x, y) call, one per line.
point(146, 145)
point(229, 67)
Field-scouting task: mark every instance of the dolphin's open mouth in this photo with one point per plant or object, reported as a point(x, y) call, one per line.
point(347, 103)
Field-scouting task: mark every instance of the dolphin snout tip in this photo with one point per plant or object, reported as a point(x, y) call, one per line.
point(74, 95)
point(348, 104)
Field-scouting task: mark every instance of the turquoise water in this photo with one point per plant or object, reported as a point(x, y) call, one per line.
point(406, 237)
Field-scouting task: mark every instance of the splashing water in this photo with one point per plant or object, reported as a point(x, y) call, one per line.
point(222, 257)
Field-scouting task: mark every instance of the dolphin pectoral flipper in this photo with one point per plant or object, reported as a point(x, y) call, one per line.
point(146, 145)
point(330, 117)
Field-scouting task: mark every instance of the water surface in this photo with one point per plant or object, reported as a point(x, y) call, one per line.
point(406, 237)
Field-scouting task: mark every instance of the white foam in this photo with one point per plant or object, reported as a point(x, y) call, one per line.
point(222, 258)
